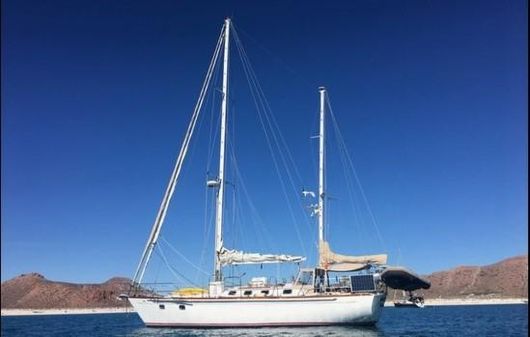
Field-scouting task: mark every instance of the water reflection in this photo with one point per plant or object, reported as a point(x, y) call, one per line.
point(263, 332)
point(443, 321)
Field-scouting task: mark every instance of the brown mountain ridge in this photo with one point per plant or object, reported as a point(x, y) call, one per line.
point(34, 291)
point(505, 279)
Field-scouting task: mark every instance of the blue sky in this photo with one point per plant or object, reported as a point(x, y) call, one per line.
point(431, 98)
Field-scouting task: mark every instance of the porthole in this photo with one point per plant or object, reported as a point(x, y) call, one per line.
point(247, 292)
point(182, 307)
point(161, 306)
point(287, 291)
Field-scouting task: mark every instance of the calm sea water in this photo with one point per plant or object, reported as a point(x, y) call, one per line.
point(486, 320)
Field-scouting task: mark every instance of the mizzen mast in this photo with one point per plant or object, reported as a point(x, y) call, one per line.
point(321, 167)
point(222, 149)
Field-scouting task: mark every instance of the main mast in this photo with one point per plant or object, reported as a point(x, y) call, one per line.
point(321, 167)
point(222, 148)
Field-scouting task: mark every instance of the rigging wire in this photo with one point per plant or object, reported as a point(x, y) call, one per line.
point(172, 269)
point(209, 197)
point(159, 221)
point(305, 82)
point(275, 161)
point(183, 257)
point(268, 112)
point(349, 184)
point(309, 84)
point(266, 119)
point(256, 218)
point(355, 175)
point(214, 129)
point(208, 224)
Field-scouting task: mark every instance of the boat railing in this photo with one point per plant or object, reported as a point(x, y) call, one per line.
point(233, 281)
point(164, 289)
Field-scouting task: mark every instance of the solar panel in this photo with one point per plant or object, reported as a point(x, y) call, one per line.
point(361, 283)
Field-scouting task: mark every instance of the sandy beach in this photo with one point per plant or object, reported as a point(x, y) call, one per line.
point(468, 301)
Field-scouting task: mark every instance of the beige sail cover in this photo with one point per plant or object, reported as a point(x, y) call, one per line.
point(231, 257)
point(337, 262)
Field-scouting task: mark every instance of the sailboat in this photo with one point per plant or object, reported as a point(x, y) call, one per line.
point(312, 299)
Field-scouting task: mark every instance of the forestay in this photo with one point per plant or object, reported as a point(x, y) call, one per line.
point(233, 257)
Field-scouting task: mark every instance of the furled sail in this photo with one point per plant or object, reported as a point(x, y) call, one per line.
point(336, 262)
point(231, 257)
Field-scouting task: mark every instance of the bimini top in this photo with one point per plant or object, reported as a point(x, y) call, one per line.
point(404, 279)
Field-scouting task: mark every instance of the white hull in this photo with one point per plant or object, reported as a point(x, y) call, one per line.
point(259, 312)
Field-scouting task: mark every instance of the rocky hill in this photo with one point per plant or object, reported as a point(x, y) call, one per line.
point(505, 279)
point(33, 291)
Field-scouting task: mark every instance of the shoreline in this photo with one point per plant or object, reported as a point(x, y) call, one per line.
point(433, 302)
point(72, 311)
point(123, 310)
